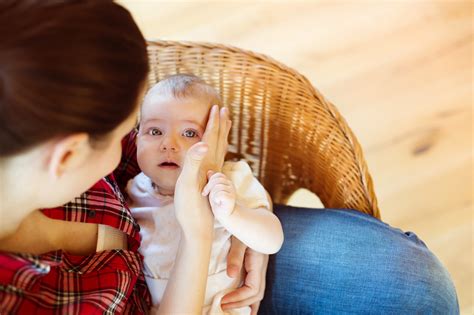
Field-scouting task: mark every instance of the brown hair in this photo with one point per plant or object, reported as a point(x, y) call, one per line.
point(66, 67)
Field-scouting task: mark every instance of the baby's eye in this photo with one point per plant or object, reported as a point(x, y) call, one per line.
point(154, 132)
point(189, 133)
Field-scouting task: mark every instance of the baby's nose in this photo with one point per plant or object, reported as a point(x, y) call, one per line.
point(169, 144)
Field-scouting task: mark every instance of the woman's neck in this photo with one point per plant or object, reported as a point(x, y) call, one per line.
point(17, 196)
point(12, 214)
point(13, 211)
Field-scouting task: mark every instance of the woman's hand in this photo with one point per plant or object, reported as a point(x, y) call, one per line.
point(252, 291)
point(193, 213)
point(191, 207)
point(215, 136)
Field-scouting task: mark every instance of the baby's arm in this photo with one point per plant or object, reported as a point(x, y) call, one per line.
point(258, 228)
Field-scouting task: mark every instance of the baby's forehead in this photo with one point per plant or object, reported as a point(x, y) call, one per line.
point(155, 100)
point(156, 103)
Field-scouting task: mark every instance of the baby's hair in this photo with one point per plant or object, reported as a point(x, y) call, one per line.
point(182, 86)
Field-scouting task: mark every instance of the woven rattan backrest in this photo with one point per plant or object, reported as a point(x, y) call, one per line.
point(291, 136)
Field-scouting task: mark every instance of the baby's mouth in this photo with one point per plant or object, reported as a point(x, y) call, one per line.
point(169, 165)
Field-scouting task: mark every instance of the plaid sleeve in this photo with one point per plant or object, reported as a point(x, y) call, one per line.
point(128, 167)
point(107, 282)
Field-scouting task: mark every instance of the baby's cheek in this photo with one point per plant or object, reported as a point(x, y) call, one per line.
point(145, 147)
point(146, 153)
point(142, 160)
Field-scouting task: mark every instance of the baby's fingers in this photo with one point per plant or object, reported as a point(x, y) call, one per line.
point(213, 188)
point(216, 179)
point(220, 197)
point(207, 189)
point(211, 185)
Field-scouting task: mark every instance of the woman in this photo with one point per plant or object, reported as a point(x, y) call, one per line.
point(72, 75)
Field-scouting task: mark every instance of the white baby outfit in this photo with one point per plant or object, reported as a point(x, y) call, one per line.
point(160, 233)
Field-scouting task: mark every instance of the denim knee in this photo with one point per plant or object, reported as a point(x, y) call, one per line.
point(417, 281)
point(345, 262)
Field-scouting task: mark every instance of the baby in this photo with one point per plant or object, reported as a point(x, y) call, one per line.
point(173, 118)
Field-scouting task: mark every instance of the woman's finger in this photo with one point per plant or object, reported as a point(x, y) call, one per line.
point(247, 302)
point(250, 288)
point(235, 257)
point(211, 133)
point(238, 295)
point(254, 285)
point(229, 126)
point(193, 159)
point(254, 307)
point(223, 135)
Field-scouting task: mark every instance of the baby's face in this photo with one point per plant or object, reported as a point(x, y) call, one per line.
point(168, 128)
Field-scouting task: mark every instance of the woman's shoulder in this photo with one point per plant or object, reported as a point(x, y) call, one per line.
point(103, 204)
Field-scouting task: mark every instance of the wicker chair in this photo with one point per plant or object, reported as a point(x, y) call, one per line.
point(291, 136)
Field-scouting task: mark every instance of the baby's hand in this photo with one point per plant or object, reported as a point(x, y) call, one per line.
point(221, 193)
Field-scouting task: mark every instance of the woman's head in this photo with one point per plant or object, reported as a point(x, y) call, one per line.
point(71, 75)
point(66, 67)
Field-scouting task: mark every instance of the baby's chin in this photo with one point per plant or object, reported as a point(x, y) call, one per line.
point(164, 187)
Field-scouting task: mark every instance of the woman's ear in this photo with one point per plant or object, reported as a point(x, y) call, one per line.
point(68, 154)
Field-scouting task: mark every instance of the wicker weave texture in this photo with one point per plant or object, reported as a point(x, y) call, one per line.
point(291, 136)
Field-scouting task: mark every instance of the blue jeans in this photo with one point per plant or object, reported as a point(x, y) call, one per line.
point(347, 262)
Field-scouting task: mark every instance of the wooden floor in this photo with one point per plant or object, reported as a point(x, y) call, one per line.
point(400, 72)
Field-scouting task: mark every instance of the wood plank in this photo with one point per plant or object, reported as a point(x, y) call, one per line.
point(401, 74)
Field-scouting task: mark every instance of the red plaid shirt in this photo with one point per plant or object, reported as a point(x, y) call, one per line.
point(107, 282)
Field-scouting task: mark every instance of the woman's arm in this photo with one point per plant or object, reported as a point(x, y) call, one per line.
point(253, 288)
point(186, 288)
